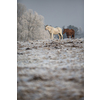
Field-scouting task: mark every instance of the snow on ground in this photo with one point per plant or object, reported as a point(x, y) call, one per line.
point(50, 69)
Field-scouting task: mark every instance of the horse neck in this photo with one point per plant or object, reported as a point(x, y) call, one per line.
point(65, 30)
point(49, 28)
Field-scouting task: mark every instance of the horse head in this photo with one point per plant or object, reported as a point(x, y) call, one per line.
point(45, 27)
point(64, 30)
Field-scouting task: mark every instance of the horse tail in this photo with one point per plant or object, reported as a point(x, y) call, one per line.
point(59, 34)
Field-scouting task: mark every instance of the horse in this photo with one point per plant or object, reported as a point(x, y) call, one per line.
point(69, 32)
point(53, 30)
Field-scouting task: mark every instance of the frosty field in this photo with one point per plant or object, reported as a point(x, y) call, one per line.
point(50, 69)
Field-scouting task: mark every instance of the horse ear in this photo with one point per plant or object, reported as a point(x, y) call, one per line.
point(46, 25)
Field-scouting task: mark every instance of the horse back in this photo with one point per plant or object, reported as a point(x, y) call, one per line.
point(73, 30)
point(59, 29)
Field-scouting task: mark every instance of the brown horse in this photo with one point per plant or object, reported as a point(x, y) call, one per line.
point(69, 32)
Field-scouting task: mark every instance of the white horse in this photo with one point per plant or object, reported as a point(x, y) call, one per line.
point(53, 30)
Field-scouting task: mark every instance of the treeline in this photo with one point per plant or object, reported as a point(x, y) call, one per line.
point(30, 26)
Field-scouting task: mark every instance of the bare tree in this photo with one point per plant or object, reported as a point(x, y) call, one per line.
point(80, 30)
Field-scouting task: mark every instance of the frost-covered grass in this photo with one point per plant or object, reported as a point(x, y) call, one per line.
point(51, 69)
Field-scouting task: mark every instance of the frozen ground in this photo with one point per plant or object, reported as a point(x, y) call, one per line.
point(50, 69)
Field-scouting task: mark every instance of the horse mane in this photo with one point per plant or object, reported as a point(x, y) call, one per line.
point(67, 29)
point(46, 25)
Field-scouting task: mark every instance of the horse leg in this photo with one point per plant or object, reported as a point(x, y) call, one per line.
point(71, 36)
point(52, 36)
point(59, 36)
point(62, 36)
point(67, 36)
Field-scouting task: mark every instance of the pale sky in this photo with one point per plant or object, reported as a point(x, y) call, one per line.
point(58, 12)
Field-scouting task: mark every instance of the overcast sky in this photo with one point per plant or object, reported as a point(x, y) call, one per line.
point(58, 12)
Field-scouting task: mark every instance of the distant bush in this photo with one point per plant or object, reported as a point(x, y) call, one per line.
point(30, 26)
